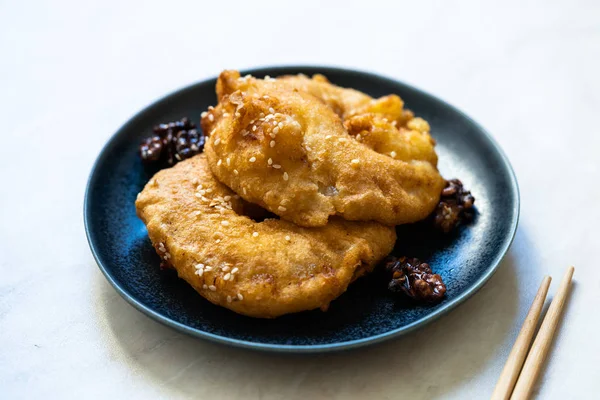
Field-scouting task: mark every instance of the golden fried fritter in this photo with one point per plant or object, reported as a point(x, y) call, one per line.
point(289, 152)
point(260, 269)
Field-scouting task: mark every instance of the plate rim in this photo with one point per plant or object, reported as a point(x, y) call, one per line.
point(317, 348)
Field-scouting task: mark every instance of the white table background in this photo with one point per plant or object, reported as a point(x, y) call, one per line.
point(72, 72)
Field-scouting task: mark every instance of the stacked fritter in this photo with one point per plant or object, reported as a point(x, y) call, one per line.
point(297, 195)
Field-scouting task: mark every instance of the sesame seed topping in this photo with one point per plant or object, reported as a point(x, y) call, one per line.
point(228, 161)
point(393, 154)
point(270, 161)
point(212, 288)
point(225, 223)
point(237, 114)
point(205, 286)
point(252, 159)
point(288, 238)
point(245, 132)
point(199, 266)
point(217, 141)
point(253, 128)
point(219, 162)
point(358, 137)
point(276, 130)
point(235, 171)
point(355, 161)
point(229, 299)
point(236, 269)
point(282, 208)
point(276, 166)
point(254, 234)
point(225, 268)
point(272, 144)
point(208, 190)
point(211, 117)
point(240, 297)
point(265, 96)
point(225, 114)
point(245, 191)
point(208, 268)
point(227, 198)
point(271, 110)
point(199, 272)
point(285, 176)
point(227, 276)
point(203, 115)
point(261, 115)
point(218, 241)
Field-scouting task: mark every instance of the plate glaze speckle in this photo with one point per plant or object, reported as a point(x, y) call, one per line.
point(366, 313)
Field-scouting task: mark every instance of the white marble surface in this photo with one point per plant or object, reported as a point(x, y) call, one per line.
point(72, 72)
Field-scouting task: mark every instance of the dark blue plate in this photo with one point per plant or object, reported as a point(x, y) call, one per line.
point(366, 313)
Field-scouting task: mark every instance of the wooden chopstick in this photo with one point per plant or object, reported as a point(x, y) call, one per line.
point(542, 342)
point(517, 355)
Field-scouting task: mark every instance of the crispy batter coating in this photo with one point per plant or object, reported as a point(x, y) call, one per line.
point(260, 269)
point(287, 151)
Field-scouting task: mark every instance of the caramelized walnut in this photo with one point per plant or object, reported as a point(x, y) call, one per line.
point(415, 279)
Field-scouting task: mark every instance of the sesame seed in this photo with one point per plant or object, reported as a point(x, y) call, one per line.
point(237, 114)
point(285, 176)
point(245, 132)
point(203, 115)
point(308, 148)
point(199, 272)
point(358, 137)
point(210, 108)
point(267, 77)
point(217, 141)
point(208, 268)
point(270, 161)
point(393, 154)
point(280, 125)
point(227, 198)
point(227, 276)
point(208, 190)
point(225, 223)
point(199, 266)
point(235, 171)
point(261, 115)
point(236, 269)
point(225, 114)
point(276, 130)
point(355, 161)
point(276, 166)
point(288, 238)
point(240, 297)
point(229, 299)
point(271, 110)
point(205, 286)
point(177, 156)
point(218, 241)
point(272, 144)
point(212, 288)
point(225, 268)
point(228, 161)
point(255, 234)
point(252, 159)
point(282, 208)
point(167, 255)
point(245, 191)
point(219, 162)
point(265, 96)
point(211, 117)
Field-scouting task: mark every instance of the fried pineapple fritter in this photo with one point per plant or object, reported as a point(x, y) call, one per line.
point(260, 269)
point(289, 152)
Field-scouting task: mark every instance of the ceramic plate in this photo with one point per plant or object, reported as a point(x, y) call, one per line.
point(367, 313)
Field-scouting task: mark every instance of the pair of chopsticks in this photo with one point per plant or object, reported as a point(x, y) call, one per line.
point(516, 383)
